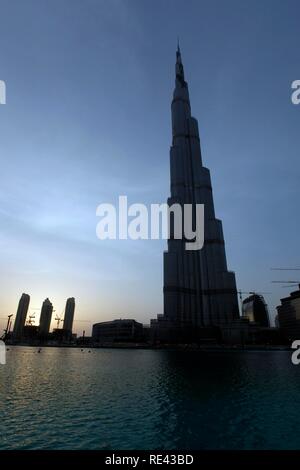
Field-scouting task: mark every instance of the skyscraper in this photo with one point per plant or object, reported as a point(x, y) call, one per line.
point(289, 315)
point(256, 310)
point(45, 319)
point(198, 288)
point(21, 316)
point(69, 315)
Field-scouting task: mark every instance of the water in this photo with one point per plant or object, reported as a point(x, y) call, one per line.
point(143, 399)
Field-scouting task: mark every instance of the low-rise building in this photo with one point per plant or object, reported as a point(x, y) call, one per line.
point(117, 331)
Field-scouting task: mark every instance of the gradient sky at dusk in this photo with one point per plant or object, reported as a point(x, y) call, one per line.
point(89, 86)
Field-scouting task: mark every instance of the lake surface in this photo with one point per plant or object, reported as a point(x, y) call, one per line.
point(144, 399)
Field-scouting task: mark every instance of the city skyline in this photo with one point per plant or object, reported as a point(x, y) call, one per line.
point(91, 117)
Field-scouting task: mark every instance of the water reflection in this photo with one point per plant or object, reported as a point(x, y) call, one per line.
point(65, 398)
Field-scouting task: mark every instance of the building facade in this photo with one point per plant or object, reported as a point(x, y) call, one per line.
point(46, 316)
point(289, 316)
point(69, 315)
point(256, 310)
point(198, 288)
point(117, 331)
point(21, 316)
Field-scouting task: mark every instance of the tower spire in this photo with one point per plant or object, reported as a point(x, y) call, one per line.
point(179, 67)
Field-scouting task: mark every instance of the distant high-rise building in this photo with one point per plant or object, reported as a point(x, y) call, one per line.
point(198, 288)
point(21, 316)
point(69, 315)
point(256, 310)
point(289, 315)
point(45, 319)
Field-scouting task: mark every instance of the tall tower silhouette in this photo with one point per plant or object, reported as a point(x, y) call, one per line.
point(69, 315)
point(21, 316)
point(198, 288)
point(46, 316)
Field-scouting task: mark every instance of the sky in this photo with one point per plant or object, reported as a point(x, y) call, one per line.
point(87, 118)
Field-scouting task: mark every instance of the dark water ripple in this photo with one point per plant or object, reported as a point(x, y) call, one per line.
point(131, 399)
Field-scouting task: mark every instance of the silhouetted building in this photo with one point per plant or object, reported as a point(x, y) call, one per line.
point(21, 316)
point(45, 318)
point(255, 309)
point(84, 341)
point(117, 331)
point(165, 331)
point(199, 290)
point(62, 336)
point(239, 332)
point(30, 332)
point(244, 332)
point(289, 315)
point(69, 316)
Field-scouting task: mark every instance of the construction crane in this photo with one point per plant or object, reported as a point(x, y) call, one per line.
point(285, 269)
point(290, 283)
point(287, 283)
point(7, 329)
point(289, 286)
point(31, 320)
point(58, 320)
